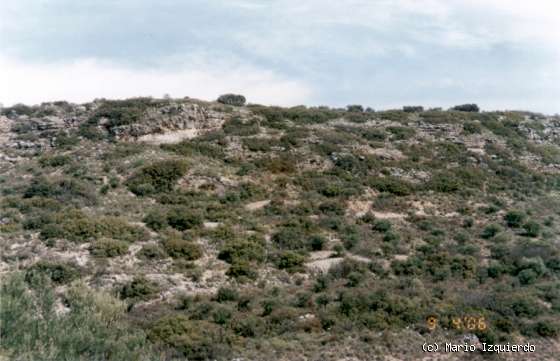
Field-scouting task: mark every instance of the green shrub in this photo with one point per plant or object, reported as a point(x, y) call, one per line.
point(65, 190)
point(107, 247)
point(151, 251)
point(242, 268)
point(222, 315)
point(381, 225)
point(278, 165)
point(72, 225)
point(196, 147)
point(514, 219)
point(392, 185)
point(401, 133)
point(258, 144)
point(290, 238)
point(527, 276)
point(245, 250)
point(490, 231)
point(58, 272)
point(232, 99)
point(117, 228)
point(237, 126)
point(58, 160)
point(180, 248)
point(547, 328)
point(93, 326)
point(157, 177)
point(197, 340)
point(291, 261)
point(139, 289)
point(373, 134)
point(444, 182)
point(472, 128)
point(183, 218)
point(226, 294)
point(122, 112)
point(317, 242)
point(156, 219)
point(249, 326)
point(532, 229)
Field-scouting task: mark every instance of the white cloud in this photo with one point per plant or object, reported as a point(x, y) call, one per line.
point(85, 79)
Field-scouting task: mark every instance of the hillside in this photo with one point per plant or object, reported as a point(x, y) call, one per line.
point(154, 229)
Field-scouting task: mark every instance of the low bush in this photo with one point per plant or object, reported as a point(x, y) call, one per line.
point(65, 190)
point(391, 185)
point(381, 225)
point(107, 247)
point(183, 218)
point(58, 160)
point(290, 238)
point(139, 288)
point(197, 340)
point(242, 128)
point(291, 261)
point(157, 177)
point(151, 252)
point(401, 133)
point(156, 219)
point(122, 112)
point(242, 269)
point(258, 144)
point(532, 229)
point(227, 294)
point(190, 148)
point(58, 272)
point(490, 231)
point(243, 250)
point(93, 326)
point(180, 248)
point(514, 218)
point(472, 128)
point(281, 164)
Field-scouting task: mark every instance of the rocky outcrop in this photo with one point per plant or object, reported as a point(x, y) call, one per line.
point(171, 118)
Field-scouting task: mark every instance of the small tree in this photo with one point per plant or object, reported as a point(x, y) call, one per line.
point(355, 108)
point(467, 108)
point(232, 99)
point(413, 108)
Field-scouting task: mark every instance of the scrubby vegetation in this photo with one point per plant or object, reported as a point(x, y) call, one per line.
point(275, 232)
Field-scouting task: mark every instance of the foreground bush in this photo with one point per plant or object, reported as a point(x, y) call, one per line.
point(58, 272)
point(196, 340)
point(93, 328)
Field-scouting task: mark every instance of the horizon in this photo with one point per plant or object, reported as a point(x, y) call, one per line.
point(249, 103)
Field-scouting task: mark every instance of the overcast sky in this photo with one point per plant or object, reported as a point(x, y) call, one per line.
point(501, 54)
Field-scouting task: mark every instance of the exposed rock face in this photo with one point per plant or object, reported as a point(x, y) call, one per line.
point(174, 117)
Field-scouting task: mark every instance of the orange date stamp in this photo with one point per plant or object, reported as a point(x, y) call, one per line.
point(460, 323)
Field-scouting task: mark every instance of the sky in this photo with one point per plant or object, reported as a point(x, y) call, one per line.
point(500, 54)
